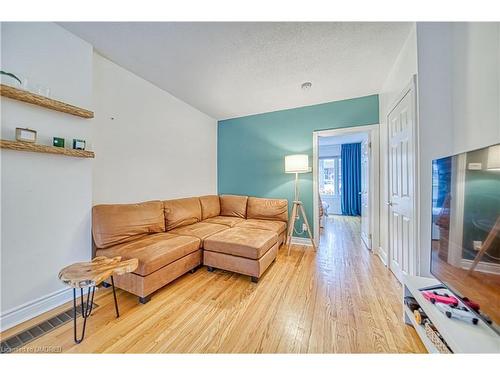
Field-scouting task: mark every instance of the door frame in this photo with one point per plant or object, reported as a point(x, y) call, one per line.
point(373, 134)
point(411, 85)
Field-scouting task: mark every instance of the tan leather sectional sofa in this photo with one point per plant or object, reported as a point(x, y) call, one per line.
point(169, 238)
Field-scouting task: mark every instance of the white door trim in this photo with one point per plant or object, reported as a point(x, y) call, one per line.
point(366, 236)
point(373, 132)
point(412, 84)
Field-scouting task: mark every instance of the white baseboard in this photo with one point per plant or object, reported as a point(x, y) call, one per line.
point(382, 254)
point(34, 308)
point(301, 241)
point(481, 266)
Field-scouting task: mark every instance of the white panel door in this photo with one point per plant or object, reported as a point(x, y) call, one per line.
point(365, 193)
point(401, 123)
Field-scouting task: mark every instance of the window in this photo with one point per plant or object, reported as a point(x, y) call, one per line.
point(330, 176)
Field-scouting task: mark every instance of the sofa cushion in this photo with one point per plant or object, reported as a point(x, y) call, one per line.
point(277, 227)
point(180, 212)
point(154, 251)
point(210, 206)
point(233, 205)
point(230, 221)
point(244, 242)
point(246, 266)
point(267, 209)
point(118, 223)
point(199, 230)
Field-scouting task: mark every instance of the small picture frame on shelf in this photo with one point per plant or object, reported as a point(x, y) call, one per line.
point(58, 142)
point(25, 135)
point(78, 144)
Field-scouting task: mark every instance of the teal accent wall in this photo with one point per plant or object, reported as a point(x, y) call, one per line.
point(251, 150)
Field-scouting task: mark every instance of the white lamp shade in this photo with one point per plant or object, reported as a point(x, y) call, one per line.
point(493, 158)
point(297, 163)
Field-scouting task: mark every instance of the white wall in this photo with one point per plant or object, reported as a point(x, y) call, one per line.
point(458, 94)
point(458, 105)
point(399, 77)
point(156, 147)
point(435, 120)
point(45, 199)
point(149, 144)
point(475, 85)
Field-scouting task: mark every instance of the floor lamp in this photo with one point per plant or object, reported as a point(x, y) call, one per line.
point(297, 164)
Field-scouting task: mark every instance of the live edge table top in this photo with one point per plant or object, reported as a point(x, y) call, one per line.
point(87, 274)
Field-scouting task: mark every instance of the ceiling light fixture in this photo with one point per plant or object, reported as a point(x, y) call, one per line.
point(306, 85)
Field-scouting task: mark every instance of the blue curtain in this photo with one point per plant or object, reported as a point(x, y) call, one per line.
point(351, 179)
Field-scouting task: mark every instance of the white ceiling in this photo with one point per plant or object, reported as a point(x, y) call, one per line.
point(234, 69)
point(357, 137)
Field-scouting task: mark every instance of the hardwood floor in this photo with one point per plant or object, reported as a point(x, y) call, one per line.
point(338, 300)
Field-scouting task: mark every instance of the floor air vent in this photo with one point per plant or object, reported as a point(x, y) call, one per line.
point(12, 343)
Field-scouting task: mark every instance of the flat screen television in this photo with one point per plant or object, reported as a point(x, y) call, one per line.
point(466, 227)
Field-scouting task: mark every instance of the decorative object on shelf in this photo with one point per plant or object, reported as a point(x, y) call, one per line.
point(58, 142)
point(297, 164)
point(420, 315)
point(42, 101)
point(11, 75)
point(34, 147)
point(411, 303)
point(471, 304)
point(78, 144)
point(433, 297)
point(458, 312)
point(438, 341)
point(89, 275)
point(25, 135)
point(459, 336)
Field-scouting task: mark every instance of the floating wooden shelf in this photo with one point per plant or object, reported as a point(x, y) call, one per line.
point(33, 147)
point(42, 101)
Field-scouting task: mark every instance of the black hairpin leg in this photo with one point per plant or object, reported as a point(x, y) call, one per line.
point(86, 310)
point(114, 296)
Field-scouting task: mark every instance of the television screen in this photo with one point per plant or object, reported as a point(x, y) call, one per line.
point(466, 227)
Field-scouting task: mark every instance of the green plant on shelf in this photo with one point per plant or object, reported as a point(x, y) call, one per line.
point(10, 75)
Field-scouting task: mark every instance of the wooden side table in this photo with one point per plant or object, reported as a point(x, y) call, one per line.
point(89, 275)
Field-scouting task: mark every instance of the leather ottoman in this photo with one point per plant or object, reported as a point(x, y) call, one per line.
point(248, 251)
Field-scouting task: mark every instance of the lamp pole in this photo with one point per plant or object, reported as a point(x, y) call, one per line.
point(297, 164)
point(296, 186)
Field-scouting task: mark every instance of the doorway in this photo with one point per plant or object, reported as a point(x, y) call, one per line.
point(402, 184)
point(345, 180)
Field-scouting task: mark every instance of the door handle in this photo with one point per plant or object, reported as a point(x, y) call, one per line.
point(389, 204)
